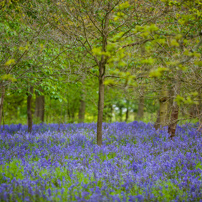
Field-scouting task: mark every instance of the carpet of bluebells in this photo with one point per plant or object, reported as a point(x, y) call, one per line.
point(136, 163)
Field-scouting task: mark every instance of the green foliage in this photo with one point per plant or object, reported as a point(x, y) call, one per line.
point(13, 169)
point(8, 77)
point(199, 165)
point(158, 72)
point(188, 100)
point(166, 191)
point(146, 45)
point(10, 62)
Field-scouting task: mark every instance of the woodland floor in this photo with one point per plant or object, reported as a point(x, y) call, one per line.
point(135, 163)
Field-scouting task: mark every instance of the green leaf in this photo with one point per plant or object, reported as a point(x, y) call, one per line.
point(179, 99)
point(124, 5)
point(174, 43)
point(109, 82)
point(158, 72)
point(8, 77)
point(97, 51)
point(10, 62)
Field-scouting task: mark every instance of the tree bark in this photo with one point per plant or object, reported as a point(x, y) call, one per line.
point(140, 112)
point(29, 111)
point(162, 116)
point(82, 110)
point(40, 107)
point(127, 110)
point(102, 66)
point(170, 104)
point(200, 108)
point(1, 103)
point(193, 111)
point(157, 123)
point(163, 111)
point(175, 109)
point(72, 115)
point(173, 120)
point(120, 112)
point(100, 107)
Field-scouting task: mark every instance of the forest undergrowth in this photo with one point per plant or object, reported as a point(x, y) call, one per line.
point(61, 162)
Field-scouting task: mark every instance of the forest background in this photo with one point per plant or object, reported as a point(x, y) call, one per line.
point(71, 61)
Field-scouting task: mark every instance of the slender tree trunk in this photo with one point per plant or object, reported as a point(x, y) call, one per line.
point(68, 112)
point(173, 120)
point(175, 109)
point(120, 113)
point(127, 110)
point(73, 112)
point(100, 108)
point(140, 112)
point(102, 67)
point(82, 110)
point(29, 111)
point(127, 115)
point(200, 108)
point(1, 103)
point(72, 116)
point(39, 107)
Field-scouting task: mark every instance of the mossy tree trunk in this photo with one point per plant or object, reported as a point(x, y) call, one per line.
point(162, 116)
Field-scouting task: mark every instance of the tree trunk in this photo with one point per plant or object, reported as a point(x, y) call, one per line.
point(72, 115)
point(1, 103)
point(162, 116)
point(200, 108)
point(102, 66)
point(157, 123)
point(171, 99)
point(173, 120)
point(140, 112)
point(82, 110)
point(105, 113)
point(175, 109)
point(193, 111)
point(127, 110)
point(29, 111)
point(120, 113)
point(163, 111)
point(39, 107)
point(100, 107)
